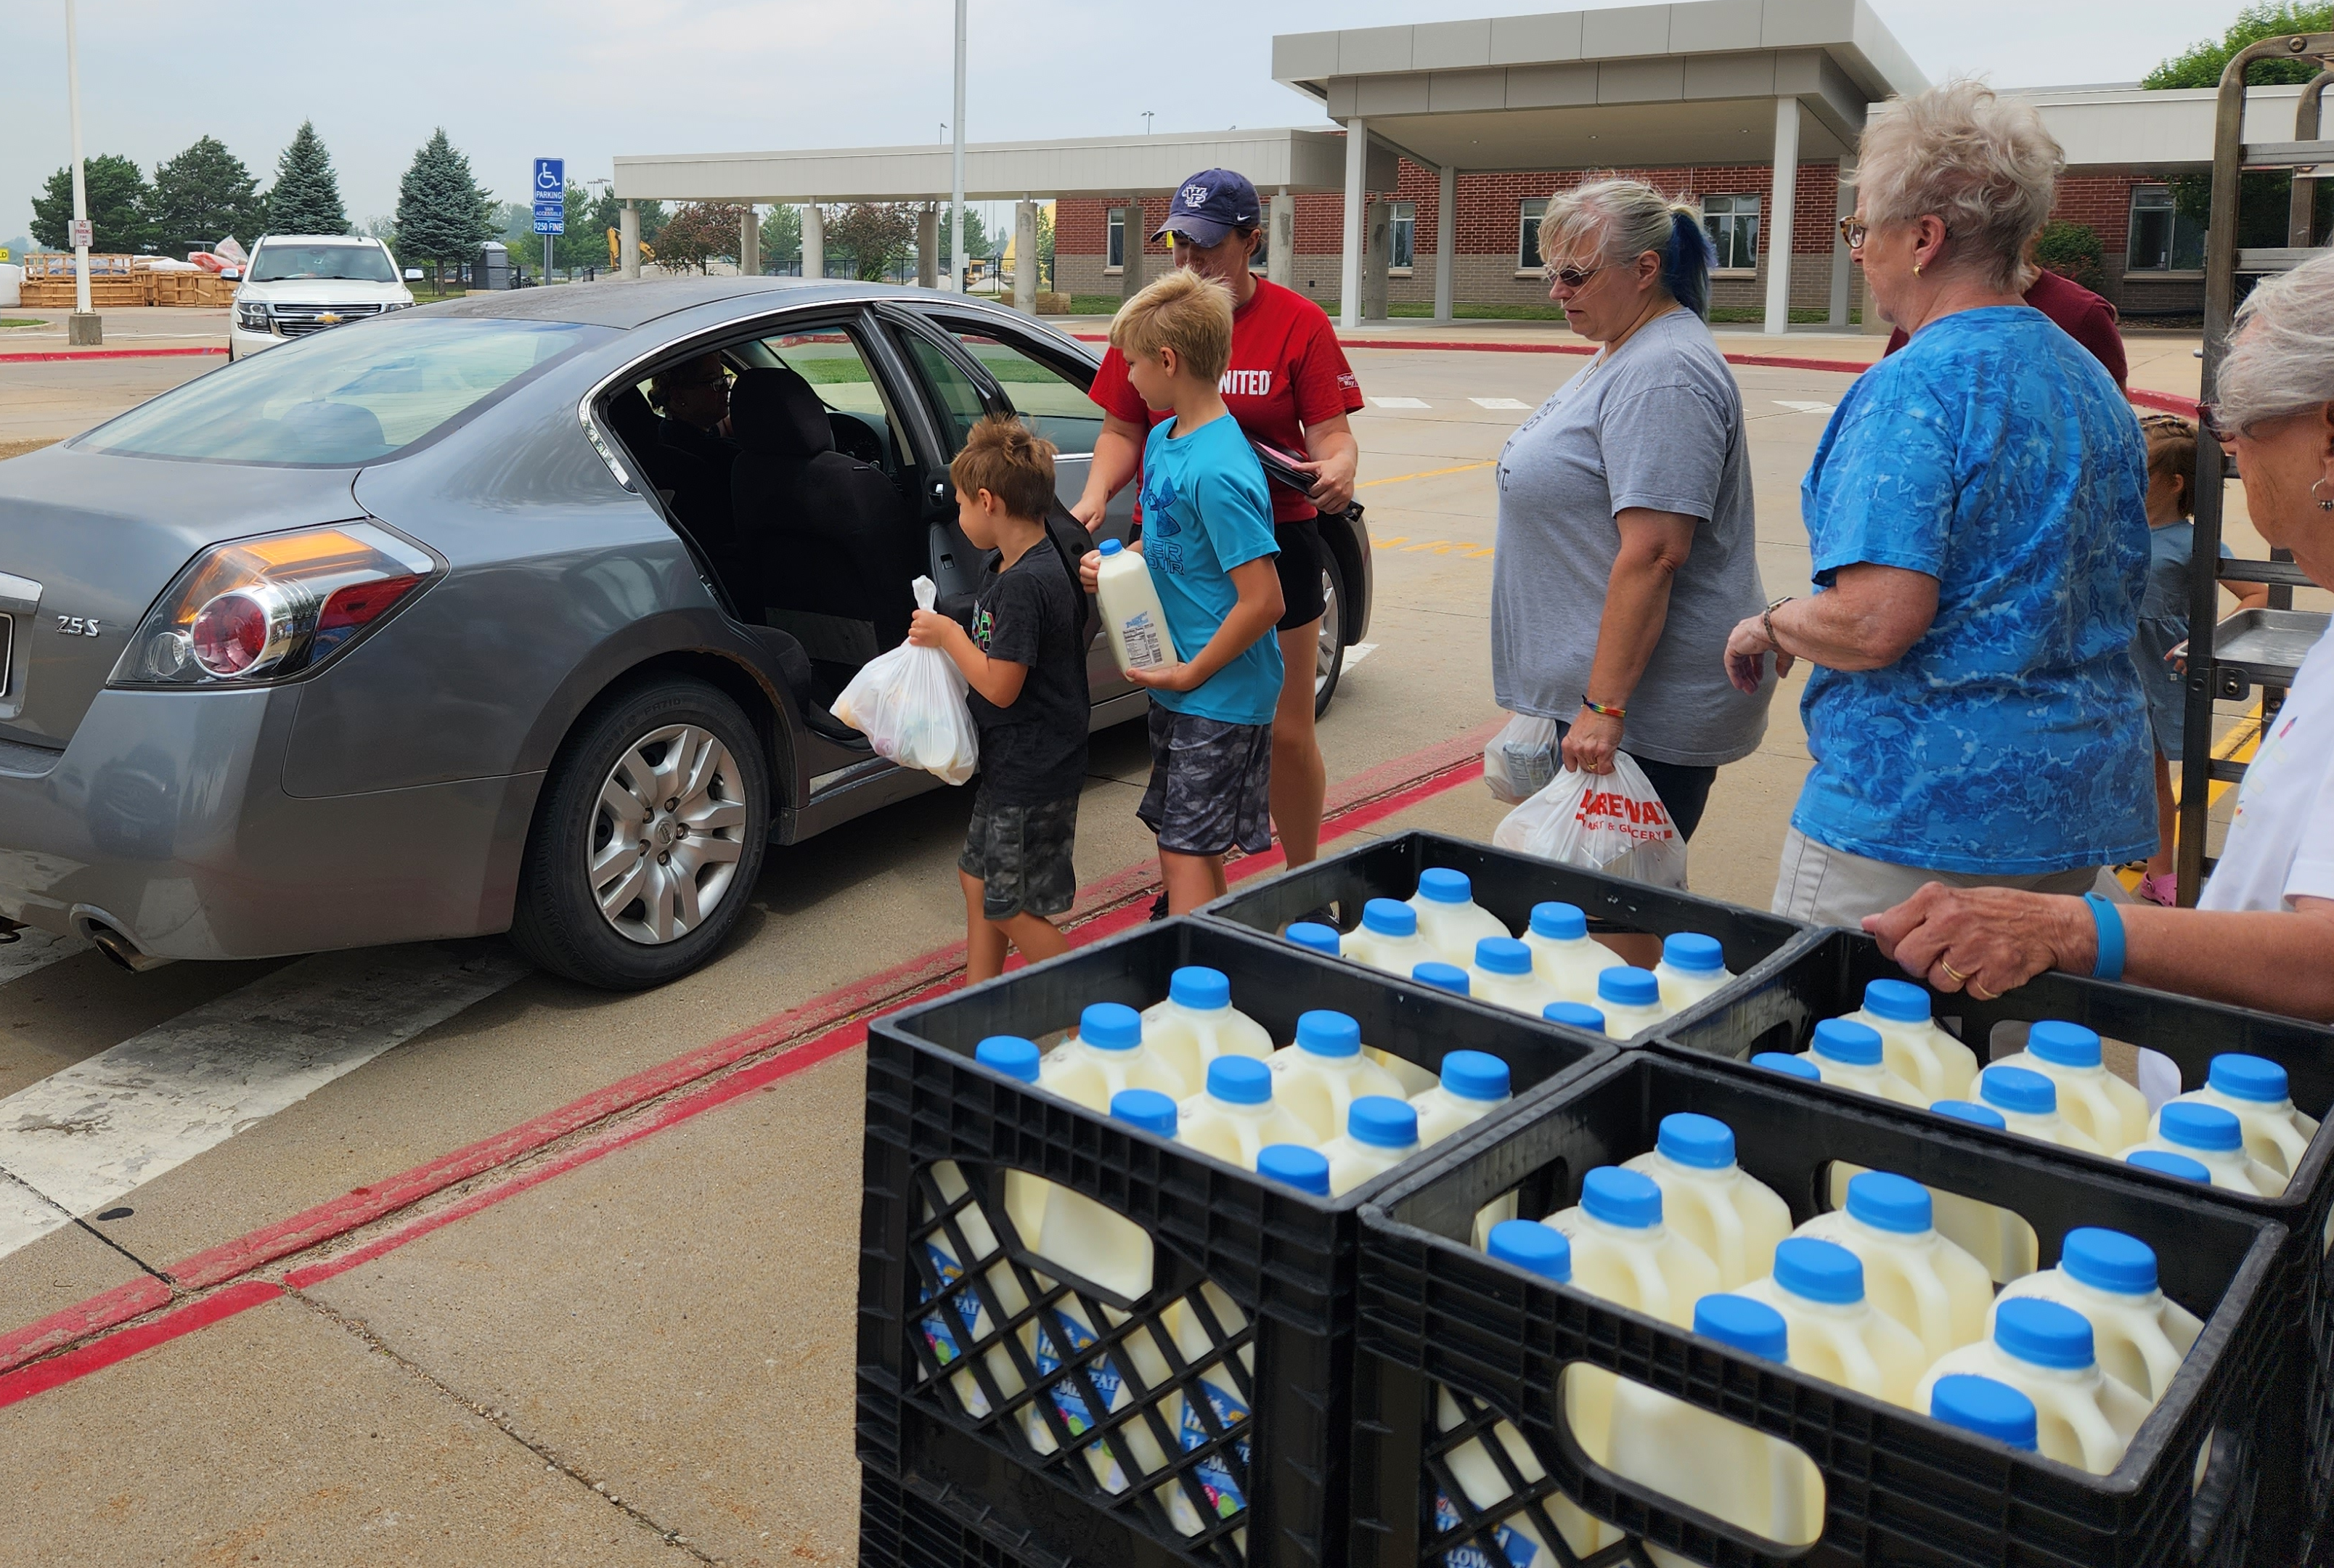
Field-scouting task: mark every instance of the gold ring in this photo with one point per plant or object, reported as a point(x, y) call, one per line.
point(1946, 964)
point(1981, 994)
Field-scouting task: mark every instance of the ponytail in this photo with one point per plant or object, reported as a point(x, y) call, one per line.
point(1687, 261)
point(1627, 217)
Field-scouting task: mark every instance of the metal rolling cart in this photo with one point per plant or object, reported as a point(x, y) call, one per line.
point(2253, 648)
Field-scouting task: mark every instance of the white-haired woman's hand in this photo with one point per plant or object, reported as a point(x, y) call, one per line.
point(1747, 648)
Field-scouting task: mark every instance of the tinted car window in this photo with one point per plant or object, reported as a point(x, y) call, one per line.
point(355, 395)
point(278, 263)
point(1049, 401)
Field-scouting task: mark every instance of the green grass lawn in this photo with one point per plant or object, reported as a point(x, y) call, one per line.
point(21, 322)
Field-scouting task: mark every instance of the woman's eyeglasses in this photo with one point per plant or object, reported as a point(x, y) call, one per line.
point(1854, 231)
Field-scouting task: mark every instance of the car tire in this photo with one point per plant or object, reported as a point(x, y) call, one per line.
point(574, 867)
point(1330, 660)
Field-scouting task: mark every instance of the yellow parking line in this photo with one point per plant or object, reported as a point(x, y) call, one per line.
point(1427, 473)
point(2237, 746)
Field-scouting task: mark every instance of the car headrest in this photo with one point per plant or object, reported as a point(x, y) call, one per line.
point(774, 412)
point(631, 420)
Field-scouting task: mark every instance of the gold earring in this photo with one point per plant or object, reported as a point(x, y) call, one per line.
point(1916, 269)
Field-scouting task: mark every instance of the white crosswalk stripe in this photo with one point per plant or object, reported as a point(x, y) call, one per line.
point(1399, 402)
point(1499, 403)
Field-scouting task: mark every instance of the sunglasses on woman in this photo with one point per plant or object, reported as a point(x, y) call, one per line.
point(1573, 277)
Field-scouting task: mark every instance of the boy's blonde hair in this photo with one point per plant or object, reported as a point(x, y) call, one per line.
point(1003, 457)
point(1183, 311)
point(2172, 450)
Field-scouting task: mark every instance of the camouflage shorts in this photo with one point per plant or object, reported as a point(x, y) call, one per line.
point(1211, 785)
point(1022, 856)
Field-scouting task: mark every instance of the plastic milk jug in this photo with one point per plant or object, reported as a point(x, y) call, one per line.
point(1985, 1407)
point(1924, 1281)
point(1234, 1117)
point(1444, 977)
point(1789, 1065)
point(1198, 1023)
point(2000, 1240)
point(2253, 1088)
point(1705, 1461)
point(1324, 1070)
point(1536, 1249)
point(1312, 934)
point(2166, 1163)
point(1381, 1133)
point(1631, 1000)
point(1564, 953)
point(1018, 1058)
point(1387, 939)
point(2083, 1416)
point(2091, 1098)
point(1850, 1056)
point(1449, 917)
point(1106, 1055)
point(2215, 1140)
point(1693, 965)
point(1923, 1055)
point(2028, 1103)
point(1131, 614)
point(1708, 1199)
point(2139, 1334)
point(1475, 1083)
point(1836, 1334)
point(1503, 976)
point(1576, 1015)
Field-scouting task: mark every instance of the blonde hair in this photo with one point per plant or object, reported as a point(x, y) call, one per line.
point(1985, 167)
point(2281, 357)
point(1005, 457)
point(1621, 219)
point(1183, 311)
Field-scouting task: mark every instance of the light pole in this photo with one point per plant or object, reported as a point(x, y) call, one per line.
point(956, 187)
point(1146, 121)
point(86, 325)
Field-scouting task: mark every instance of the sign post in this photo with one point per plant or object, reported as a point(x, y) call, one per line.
point(550, 204)
point(84, 327)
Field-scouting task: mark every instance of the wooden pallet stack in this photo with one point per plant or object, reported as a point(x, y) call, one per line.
point(117, 282)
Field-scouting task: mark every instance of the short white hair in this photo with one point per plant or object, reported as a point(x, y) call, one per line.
point(1987, 168)
point(2281, 357)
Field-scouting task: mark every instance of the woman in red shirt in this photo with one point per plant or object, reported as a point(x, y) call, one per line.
point(1289, 386)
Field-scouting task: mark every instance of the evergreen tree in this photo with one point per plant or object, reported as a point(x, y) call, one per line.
point(782, 236)
point(307, 195)
point(442, 215)
point(203, 196)
point(116, 206)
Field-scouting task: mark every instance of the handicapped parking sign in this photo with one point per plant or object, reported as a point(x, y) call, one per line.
point(551, 196)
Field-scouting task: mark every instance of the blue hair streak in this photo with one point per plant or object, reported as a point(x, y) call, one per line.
point(1686, 262)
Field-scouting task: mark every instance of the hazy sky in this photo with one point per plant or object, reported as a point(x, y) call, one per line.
point(588, 78)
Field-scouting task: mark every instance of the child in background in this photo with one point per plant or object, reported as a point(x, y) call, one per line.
point(1208, 542)
point(2163, 620)
point(1026, 663)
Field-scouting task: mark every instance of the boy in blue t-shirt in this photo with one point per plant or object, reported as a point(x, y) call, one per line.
point(1208, 542)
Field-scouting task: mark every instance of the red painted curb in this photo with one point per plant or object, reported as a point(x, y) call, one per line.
point(98, 1354)
point(47, 357)
point(99, 1312)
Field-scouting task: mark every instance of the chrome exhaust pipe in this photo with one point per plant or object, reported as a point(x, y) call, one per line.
point(121, 949)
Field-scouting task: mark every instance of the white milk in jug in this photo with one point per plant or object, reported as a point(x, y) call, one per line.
point(1381, 1133)
point(2084, 1418)
point(1324, 1070)
point(1631, 1000)
point(1932, 1287)
point(1449, 917)
point(2111, 1113)
point(1504, 977)
point(1131, 615)
point(1106, 1056)
point(2139, 1334)
point(1985, 1407)
point(2027, 1105)
point(2215, 1140)
point(1235, 1118)
point(1836, 1334)
point(1564, 953)
point(1693, 965)
point(1999, 1239)
point(948, 1339)
point(1848, 1055)
point(1707, 1198)
point(1312, 934)
point(1198, 1023)
point(1475, 1083)
point(2253, 1088)
point(1911, 1044)
point(1387, 939)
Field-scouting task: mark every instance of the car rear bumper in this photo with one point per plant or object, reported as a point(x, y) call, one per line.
point(166, 819)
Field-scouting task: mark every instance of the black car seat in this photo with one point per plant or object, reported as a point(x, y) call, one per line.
point(828, 534)
point(634, 424)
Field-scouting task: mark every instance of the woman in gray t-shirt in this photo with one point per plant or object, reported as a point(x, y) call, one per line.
point(1625, 552)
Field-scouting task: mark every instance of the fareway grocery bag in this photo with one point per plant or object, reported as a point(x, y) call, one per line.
point(1611, 822)
point(1521, 759)
point(909, 704)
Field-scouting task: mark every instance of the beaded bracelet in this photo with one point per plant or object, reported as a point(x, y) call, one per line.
point(1597, 708)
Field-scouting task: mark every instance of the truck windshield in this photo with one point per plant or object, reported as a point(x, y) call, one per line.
point(364, 264)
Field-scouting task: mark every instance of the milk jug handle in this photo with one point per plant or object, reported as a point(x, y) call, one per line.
point(1929, 1296)
point(2096, 1436)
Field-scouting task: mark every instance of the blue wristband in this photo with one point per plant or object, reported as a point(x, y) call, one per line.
point(2109, 919)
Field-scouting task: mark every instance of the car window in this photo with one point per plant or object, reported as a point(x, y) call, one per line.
point(956, 401)
point(831, 360)
point(354, 395)
point(278, 263)
point(1049, 402)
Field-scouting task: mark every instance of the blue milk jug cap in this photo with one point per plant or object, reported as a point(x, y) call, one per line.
point(1312, 934)
point(1578, 1015)
point(1746, 1324)
point(1886, 1201)
point(2018, 1090)
point(1111, 1026)
point(1898, 1001)
point(1239, 1081)
point(1692, 952)
point(1503, 955)
point(1475, 1075)
point(2063, 1044)
point(1622, 1198)
point(1442, 976)
point(2242, 1077)
point(1110, 547)
point(1821, 1271)
point(1703, 1142)
point(2192, 1124)
point(1199, 988)
point(1559, 922)
point(1984, 1406)
point(1009, 1055)
point(1533, 1248)
point(1441, 885)
point(1790, 1066)
point(1382, 1121)
point(1306, 1169)
point(2164, 1162)
point(1626, 985)
point(1842, 1040)
point(2108, 1260)
point(2044, 1332)
point(1324, 1033)
point(1145, 1108)
point(1390, 917)
point(1971, 1112)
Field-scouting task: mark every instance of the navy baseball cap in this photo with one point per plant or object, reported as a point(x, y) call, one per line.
point(1208, 206)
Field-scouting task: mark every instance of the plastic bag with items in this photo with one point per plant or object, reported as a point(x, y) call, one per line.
point(1521, 759)
point(909, 705)
point(1611, 822)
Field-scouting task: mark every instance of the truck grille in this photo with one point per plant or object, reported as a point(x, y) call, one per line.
point(298, 321)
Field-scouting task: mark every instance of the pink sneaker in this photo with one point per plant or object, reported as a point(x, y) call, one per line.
point(2162, 890)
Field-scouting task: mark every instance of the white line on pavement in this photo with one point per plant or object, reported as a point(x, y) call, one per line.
point(1399, 402)
point(1499, 403)
point(83, 1137)
point(34, 950)
point(1358, 652)
point(1803, 407)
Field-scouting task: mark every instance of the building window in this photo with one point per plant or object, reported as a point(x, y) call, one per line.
point(1406, 236)
point(1528, 217)
point(2162, 239)
point(1116, 259)
point(1733, 224)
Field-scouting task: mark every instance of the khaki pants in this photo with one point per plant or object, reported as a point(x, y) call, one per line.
point(1829, 887)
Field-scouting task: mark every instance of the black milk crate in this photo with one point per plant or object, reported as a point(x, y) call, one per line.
point(901, 1525)
point(1778, 1012)
point(1899, 1488)
point(1508, 884)
point(1282, 1261)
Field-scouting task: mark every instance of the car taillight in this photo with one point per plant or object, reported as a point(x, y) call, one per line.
point(268, 609)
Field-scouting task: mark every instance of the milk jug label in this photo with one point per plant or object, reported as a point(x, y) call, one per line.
point(1216, 1479)
point(1067, 1397)
point(940, 1336)
point(1144, 645)
point(1514, 1550)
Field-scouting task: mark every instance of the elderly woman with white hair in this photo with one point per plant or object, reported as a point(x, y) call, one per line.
point(1625, 549)
point(1977, 520)
point(2263, 934)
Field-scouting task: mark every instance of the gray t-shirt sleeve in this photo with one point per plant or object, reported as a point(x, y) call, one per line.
point(1666, 449)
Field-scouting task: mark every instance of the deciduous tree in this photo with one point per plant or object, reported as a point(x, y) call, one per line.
point(116, 206)
point(2201, 63)
point(875, 234)
point(702, 232)
point(203, 196)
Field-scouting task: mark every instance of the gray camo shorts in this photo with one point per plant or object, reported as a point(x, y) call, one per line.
point(1022, 856)
point(1211, 785)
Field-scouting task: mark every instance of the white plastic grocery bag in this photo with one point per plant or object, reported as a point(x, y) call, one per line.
point(909, 704)
point(1611, 822)
point(1521, 759)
